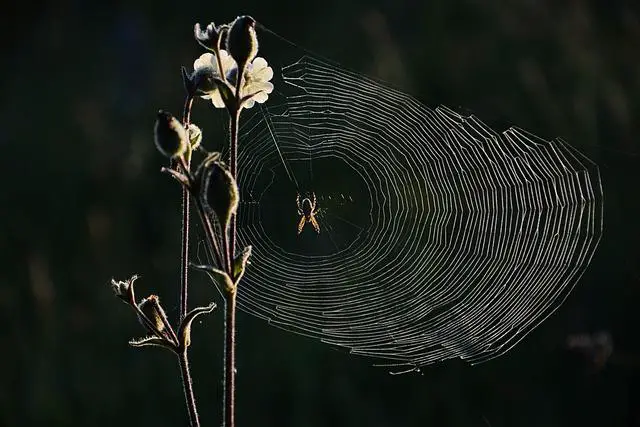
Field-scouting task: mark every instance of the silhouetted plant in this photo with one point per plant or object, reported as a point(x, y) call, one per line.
point(233, 78)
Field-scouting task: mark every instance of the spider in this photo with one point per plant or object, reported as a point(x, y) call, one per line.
point(307, 209)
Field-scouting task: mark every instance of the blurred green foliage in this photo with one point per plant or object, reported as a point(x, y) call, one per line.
point(83, 201)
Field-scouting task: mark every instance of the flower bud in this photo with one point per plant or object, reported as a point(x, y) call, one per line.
point(242, 41)
point(170, 136)
point(203, 81)
point(152, 310)
point(219, 192)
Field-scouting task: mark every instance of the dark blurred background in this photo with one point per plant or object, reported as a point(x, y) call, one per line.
point(83, 201)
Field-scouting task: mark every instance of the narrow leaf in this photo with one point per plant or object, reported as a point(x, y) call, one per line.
point(217, 275)
point(184, 333)
point(153, 341)
point(240, 263)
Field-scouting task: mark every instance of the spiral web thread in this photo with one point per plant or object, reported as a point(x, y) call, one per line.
point(469, 240)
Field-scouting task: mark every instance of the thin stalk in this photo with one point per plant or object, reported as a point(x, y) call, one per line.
point(184, 252)
point(186, 213)
point(233, 165)
point(188, 390)
point(230, 300)
point(230, 359)
point(187, 383)
point(228, 261)
point(210, 233)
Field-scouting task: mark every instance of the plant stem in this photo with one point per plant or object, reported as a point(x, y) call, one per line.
point(230, 360)
point(228, 261)
point(210, 233)
point(230, 300)
point(184, 253)
point(188, 390)
point(187, 384)
point(186, 213)
point(233, 165)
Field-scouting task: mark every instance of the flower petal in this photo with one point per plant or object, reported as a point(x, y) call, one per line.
point(258, 64)
point(255, 87)
point(249, 103)
point(263, 75)
point(205, 60)
point(216, 99)
point(260, 97)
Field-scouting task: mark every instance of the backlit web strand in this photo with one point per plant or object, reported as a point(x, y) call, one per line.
point(460, 242)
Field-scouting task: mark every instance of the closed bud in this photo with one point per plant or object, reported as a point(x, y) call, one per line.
point(170, 136)
point(203, 81)
point(219, 192)
point(152, 310)
point(242, 41)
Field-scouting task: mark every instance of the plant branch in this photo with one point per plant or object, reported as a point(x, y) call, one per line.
point(186, 213)
point(230, 359)
point(233, 161)
point(210, 232)
point(187, 383)
point(150, 325)
point(184, 253)
point(228, 260)
point(230, 300)
point(233, 164)
point(188, 389)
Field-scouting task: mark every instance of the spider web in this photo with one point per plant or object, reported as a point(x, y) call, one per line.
point(440, 238)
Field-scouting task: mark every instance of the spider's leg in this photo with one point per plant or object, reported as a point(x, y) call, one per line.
point(314, 223)
point(313, 204)
point(298, 202)
point(301, 224)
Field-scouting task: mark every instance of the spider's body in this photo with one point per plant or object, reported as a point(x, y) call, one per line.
point(307, 209)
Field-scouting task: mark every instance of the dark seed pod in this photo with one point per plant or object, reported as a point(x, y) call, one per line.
point(242, 41)
point(219, 192)
point(170, 136)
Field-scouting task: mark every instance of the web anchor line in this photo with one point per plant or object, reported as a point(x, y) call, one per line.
point(269, 124)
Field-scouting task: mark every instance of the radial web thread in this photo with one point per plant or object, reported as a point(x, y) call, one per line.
point(440, 238)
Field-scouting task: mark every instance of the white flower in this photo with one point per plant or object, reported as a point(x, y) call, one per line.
point(256, 83)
